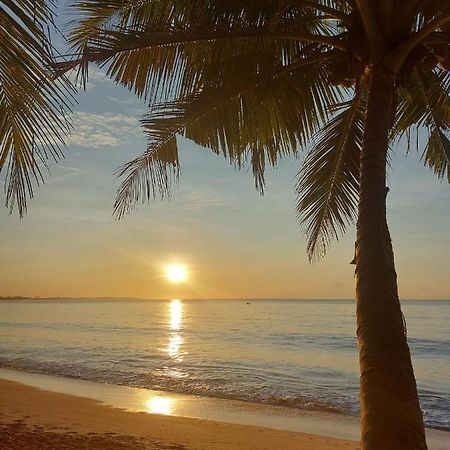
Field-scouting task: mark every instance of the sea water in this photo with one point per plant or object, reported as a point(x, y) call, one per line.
point(301, 354)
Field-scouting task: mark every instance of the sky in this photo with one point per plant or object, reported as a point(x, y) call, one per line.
point(234, 242)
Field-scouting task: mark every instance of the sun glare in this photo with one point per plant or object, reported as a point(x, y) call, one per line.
point(176, 273)
point(159, 405)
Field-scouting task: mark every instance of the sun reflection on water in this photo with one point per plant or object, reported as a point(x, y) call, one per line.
point(175, 337)
point(159, 405)
point(176, 313)
point(173, 349)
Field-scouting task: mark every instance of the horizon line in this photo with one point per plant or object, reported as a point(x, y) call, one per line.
point(20, 297)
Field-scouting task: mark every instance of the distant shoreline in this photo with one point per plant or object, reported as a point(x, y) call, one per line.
point(243, 299)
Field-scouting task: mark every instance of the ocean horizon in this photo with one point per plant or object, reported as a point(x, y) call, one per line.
point(256, 299)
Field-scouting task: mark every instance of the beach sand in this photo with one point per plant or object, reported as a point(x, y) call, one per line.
point(34, 419)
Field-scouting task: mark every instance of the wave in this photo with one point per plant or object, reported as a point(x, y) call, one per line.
point(219, 387)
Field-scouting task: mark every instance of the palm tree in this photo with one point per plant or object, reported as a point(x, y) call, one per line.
point(33, 105)
point(257, 80)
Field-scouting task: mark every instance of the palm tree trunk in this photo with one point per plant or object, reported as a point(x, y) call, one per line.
point(391, 418)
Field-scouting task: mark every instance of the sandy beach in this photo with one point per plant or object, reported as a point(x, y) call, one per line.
point(34, 419)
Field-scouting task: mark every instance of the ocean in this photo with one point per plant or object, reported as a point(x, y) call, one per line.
point(301, 354)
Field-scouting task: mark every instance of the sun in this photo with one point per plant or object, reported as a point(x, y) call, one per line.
point(176, 273)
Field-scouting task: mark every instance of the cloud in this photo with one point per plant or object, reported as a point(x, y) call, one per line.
point(63, 172)
point(93, 130)
point(197, 200)
point(96, 77)
point(128, 101)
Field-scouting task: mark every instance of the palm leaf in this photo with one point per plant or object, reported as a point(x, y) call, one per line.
point(425, 104)
point(153, 172)
point(437, 154)
point(32, 104)
point(245, 120)
point(158, 48)
point(329, 178)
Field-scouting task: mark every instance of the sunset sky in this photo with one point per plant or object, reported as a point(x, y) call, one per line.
point(234, 242)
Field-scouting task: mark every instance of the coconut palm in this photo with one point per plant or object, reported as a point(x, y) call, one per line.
point(32, 104)
point(258, 80)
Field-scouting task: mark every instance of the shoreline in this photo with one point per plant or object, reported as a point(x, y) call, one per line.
point(335, 425)
point(32, 419)
point(81, 403)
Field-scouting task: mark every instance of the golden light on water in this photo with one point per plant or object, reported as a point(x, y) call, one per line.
point(159, 405)
point(175, 338)
point(176, 273)
point(173, 349)
point(176, 312)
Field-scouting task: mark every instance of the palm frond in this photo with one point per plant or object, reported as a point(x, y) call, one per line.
point(329, 178)
point(437, 154)
point(32, 104)
point(245, 119)
point(153, 172)
point(157, 48)
point(425, 104)
point(94, 17)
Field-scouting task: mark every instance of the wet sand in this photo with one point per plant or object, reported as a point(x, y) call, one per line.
point(34, 419)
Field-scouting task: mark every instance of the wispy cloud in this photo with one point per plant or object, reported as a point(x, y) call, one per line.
point(196, 200)
point(63, 172)
point(96, 77)
point(127, 101)
point(94, 130)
